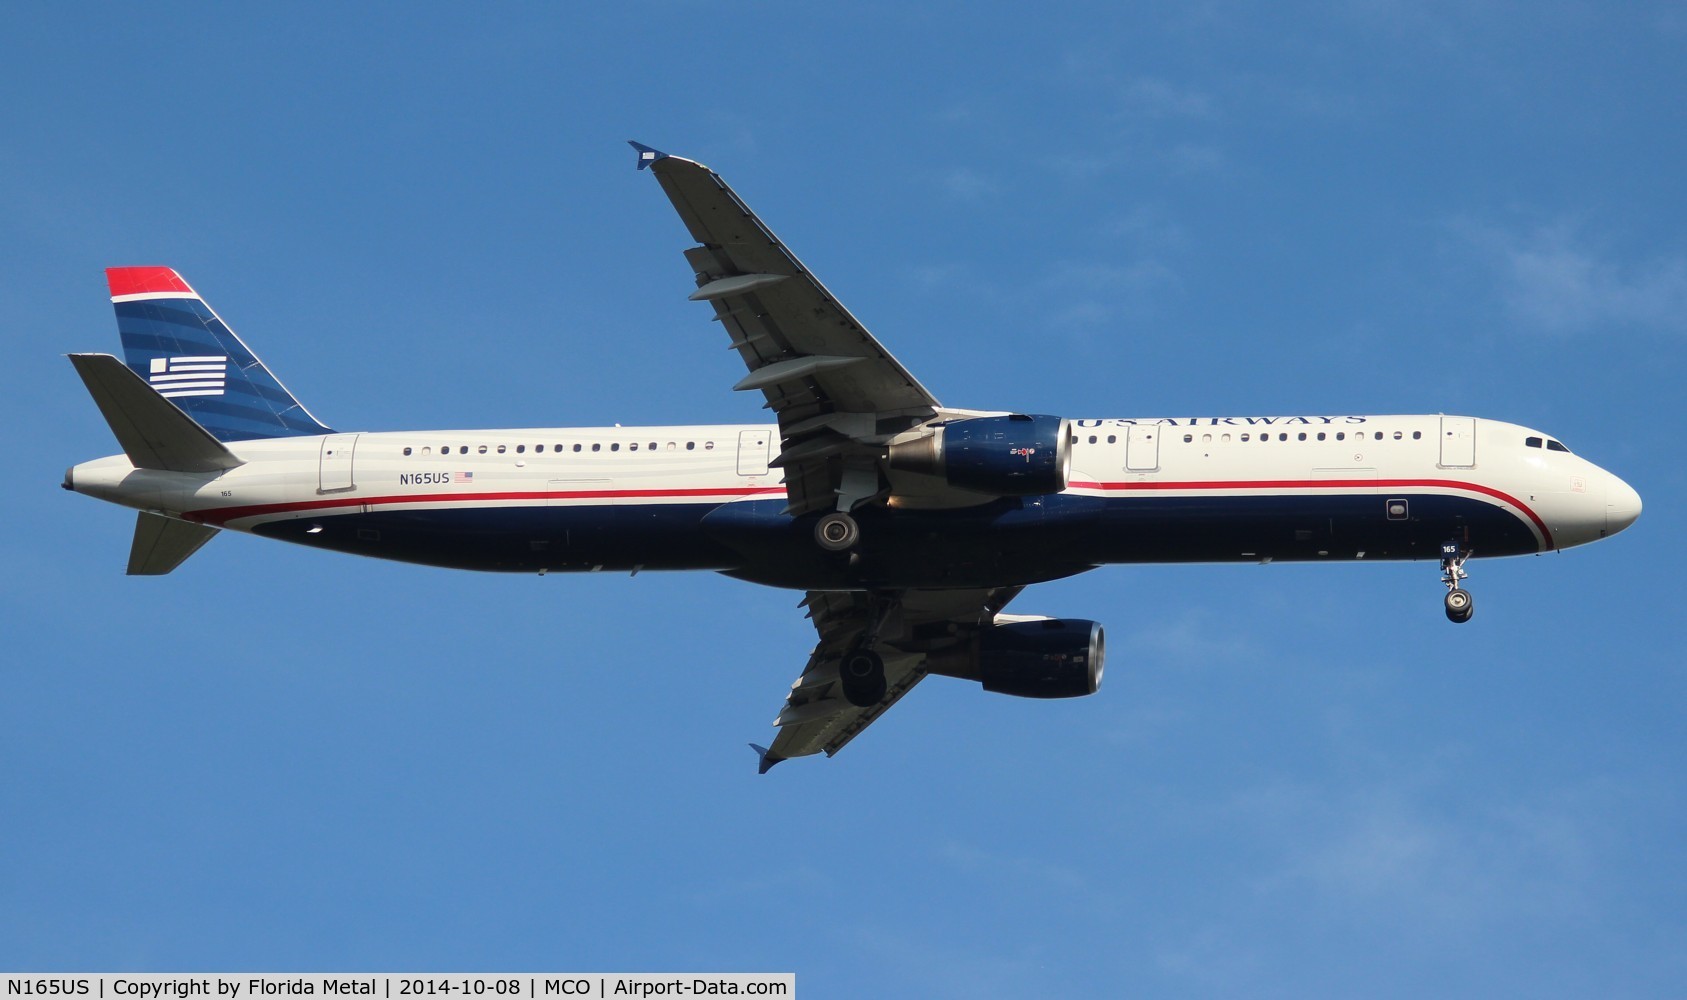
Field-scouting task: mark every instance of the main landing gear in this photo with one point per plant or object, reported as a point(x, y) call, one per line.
point(837, 532)
point(1460, 606)
point(862, 674)
point(861, 671)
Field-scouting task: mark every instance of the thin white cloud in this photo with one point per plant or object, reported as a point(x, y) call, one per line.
point(1404, 849)
point(1157, 98)
point(1192, 640)
point(1551, 278)
point(966, 184)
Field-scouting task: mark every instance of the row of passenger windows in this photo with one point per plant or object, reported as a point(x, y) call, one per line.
point(521, 449)
point(1551, 445)
point(1281, 436)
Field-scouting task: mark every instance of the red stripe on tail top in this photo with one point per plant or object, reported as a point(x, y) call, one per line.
point(142, 280)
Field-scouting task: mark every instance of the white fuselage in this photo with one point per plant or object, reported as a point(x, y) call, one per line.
point(1142, 490)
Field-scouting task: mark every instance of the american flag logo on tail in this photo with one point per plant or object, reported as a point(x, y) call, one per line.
point(194, 375)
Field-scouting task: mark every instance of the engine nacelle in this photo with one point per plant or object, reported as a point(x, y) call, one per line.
point(1043, 658)
point(1014, 456)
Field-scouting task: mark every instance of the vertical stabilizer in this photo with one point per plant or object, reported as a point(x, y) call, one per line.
point(183, 349)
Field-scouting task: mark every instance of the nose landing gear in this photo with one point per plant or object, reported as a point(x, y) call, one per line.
point(1459, 604)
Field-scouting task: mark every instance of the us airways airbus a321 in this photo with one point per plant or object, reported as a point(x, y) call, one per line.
point(910, 524)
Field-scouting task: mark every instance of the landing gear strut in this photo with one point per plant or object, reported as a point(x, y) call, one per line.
point(1460, 606)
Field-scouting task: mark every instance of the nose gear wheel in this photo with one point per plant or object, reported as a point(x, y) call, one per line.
point(1459, 604)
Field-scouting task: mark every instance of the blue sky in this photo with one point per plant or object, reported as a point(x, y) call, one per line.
point(1295, 780)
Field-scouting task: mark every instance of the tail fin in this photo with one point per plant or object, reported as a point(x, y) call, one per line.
point(173, 340)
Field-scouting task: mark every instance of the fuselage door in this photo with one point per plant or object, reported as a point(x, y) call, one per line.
point(752, 452)
point(334, 469)
point(1142, 448)
point(1458, 442)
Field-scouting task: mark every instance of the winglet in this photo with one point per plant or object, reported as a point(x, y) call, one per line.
point(646, 154)
point(765, 760)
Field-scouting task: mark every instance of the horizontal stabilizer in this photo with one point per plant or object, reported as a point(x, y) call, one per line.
point(163, 543)
point(153, 431)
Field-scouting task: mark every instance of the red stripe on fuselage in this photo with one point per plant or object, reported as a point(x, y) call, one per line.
point(224, 515)
point(1319, 484)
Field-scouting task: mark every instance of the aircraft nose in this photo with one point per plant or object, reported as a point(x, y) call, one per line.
point(1622, 506)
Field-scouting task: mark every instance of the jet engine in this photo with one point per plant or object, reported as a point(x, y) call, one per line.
point(1036, 658)
point(1014, 456)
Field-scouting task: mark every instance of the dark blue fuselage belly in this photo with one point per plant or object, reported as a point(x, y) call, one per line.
point(1006, 542)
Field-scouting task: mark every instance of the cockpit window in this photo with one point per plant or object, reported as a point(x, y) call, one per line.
point(1552, 445)
point(1532, 442)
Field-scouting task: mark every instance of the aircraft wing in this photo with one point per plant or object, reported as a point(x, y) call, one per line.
point(838, 394)
point(816, 716)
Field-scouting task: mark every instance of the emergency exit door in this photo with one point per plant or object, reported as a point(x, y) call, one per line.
point(334, 470)
point(1142, 448)
point(752, 452)
point(1458, 442)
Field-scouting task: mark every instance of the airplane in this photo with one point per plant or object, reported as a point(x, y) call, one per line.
point(910, 525)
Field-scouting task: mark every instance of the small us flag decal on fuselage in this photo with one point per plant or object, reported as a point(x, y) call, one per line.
point(462, 477)
point(196, 375)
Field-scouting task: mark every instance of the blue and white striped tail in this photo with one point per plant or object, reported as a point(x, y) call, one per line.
point(172, 339)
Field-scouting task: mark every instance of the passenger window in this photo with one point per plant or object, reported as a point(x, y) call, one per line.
point(691, 446)
point(596, 446)
point(1244, 437)
point(1341, 435)
point(521, 448)
point(670, 446)
point(615, 447)
point(1188, 438)
point(1398, 435)
point(483, 449)
point(427, 450)
point(710, 445)
point(1417, 435)
point(1302, 436)
point(1206, 439)
point(407, 451)
point(577, 446)
point(500, 449)
point(1283, 437)
point(1379, 435)
point(1225, 439)
point(1320, 435)
point(1092, 439)
point(652, 446)
point(1532, 442)
point(633, 446)
point(1112, 439)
